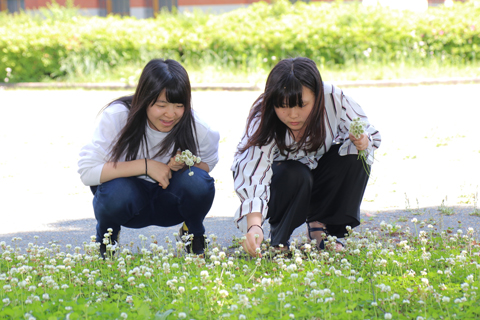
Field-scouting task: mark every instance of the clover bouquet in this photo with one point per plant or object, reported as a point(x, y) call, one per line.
point(357, 128)
point(189, 159)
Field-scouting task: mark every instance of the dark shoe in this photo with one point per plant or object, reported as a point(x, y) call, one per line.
point(193, 244)
point(103, 252)
point(198, 245)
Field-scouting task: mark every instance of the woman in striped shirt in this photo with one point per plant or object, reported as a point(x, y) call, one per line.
point(297, 161)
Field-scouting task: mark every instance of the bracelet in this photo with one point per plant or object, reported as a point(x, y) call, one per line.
point(146, 168)
point(255, 225)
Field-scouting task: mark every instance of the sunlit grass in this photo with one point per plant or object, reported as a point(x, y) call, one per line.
point(387, 273)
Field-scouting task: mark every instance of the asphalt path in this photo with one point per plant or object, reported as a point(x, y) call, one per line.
point(427, 166)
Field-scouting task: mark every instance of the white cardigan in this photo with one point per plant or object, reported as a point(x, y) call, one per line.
point(95, 154)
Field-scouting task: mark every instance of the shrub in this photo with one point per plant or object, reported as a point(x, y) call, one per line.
point(59, 45)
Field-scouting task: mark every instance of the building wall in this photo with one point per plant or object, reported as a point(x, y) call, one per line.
point(146, 8)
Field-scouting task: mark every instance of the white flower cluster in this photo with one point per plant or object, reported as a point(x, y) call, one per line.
point(357, 128)
point(188, 158)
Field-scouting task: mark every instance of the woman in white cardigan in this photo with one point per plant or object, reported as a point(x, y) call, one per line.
point(130, 162)
point(297, 161)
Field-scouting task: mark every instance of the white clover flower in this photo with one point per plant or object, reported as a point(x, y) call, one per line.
point(123, 315)
point(292, 268)
point(243, 299)
point(291, 316)
point(223, 293)
point(242, 317)
point(189, 159)
point(420, 318)
point(204, 274)
point(388, 315)
point(129, 299)
point(266, 282)
point(445, 299)
point(182, 315)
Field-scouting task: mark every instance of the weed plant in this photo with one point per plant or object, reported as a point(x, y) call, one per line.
point(444, 209)
point(387, 273)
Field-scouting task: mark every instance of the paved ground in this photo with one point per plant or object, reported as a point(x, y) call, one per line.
point(430, 155)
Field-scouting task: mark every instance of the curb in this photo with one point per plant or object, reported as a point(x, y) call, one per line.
point(240, 86)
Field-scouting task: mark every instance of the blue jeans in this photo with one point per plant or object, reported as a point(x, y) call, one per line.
point(136, 203)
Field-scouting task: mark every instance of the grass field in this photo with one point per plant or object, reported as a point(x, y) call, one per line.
point(429, 270)
point(386, 274)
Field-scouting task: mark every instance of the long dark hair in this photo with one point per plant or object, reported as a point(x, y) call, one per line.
point(284, 89)
point(158, 75)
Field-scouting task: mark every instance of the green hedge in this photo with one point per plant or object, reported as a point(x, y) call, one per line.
point(65, 43)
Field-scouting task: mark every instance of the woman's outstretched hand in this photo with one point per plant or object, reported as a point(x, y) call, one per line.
point(361, 143)
point(159, 172)
point(253, 241)
point(175, 165)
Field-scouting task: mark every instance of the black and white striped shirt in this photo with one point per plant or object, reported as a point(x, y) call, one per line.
point(253, 168)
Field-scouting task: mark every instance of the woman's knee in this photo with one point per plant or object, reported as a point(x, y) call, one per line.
point(292, 172)
point(199, 185)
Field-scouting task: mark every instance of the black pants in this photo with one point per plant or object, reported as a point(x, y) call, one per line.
point(331, 194)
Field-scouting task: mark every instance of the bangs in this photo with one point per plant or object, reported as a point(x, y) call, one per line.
point(288, 93)
point(176, 93)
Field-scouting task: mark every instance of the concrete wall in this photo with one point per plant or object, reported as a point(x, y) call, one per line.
point(212, 8)
point(141, 12)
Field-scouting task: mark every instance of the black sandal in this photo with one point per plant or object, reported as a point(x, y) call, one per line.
point(321, 245)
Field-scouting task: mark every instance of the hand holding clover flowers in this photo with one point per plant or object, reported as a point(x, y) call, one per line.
point(185, 157)
point(360, 140)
